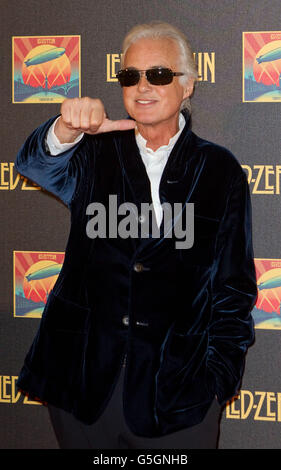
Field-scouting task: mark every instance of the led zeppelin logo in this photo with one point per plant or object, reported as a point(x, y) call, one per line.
point(9, 393)
point(46, 69)
point(35, 274)
point(262, 66)
point(205, 64)
point(10, 179)
point(263, 179)
point(256, 405)
point(266, 312)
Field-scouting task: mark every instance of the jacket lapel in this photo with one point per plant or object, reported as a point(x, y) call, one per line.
point(172, 187)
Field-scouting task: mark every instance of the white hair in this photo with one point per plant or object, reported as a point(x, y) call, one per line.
point(156, 30)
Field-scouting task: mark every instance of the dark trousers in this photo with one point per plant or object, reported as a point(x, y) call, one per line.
point(110, 431)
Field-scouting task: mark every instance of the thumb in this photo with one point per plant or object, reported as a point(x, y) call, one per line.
point(118, 125)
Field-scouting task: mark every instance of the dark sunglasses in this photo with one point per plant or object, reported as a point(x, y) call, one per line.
point(155, 76)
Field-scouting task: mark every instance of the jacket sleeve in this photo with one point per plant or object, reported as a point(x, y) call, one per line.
point(234, 292)
point(57, 174)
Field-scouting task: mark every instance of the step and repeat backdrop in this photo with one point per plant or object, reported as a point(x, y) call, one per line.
point(56, 50)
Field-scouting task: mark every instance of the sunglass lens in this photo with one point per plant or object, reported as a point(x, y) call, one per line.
point(128, 77)
point(160, 76)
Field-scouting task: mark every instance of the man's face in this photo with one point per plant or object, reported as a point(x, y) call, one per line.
point(154, 104)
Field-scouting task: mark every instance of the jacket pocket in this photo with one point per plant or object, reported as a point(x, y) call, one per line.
point(58, 350)
point(203, 249)
point(184, 380)
point(63, 315)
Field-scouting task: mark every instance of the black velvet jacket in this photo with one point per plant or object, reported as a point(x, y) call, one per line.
point(182, 319)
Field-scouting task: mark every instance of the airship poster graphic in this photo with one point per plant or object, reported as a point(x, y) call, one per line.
point(46, 69)
point(267, 310)
point(262, 66)
point(35, 274)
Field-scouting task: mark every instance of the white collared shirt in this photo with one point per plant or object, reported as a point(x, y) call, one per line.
point(154, 161)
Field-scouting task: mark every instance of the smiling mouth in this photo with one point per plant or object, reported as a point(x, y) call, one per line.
point(146, 101)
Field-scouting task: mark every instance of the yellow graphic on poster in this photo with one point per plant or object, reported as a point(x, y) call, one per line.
point(35, 274)
point(46, 69)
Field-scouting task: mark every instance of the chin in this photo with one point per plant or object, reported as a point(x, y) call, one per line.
point(145, 118)
point(146, 121)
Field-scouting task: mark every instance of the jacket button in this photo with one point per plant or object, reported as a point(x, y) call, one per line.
point(125, 320)
point(138, 267)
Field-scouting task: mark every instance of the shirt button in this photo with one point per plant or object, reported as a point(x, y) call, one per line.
point(125, 320)
point(138, 267)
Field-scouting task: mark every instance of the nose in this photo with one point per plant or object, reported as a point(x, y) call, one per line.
point(143, 83)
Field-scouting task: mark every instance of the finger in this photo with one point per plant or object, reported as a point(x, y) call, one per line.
point(65, 112)
point(75, 114)
point(92, 111)
point(97, 117)
point(119, 125)
point(85, 117)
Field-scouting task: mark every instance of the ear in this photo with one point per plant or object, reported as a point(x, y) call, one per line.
point(188, 88)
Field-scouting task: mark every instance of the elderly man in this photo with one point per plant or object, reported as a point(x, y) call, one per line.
point(177, 319)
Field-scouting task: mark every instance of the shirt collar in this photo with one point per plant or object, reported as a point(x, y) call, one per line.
point(141, 141)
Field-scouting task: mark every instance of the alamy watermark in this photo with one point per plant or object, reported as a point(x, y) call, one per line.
point(135, 225)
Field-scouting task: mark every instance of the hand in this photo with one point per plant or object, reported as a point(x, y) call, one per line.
point(86, 115)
